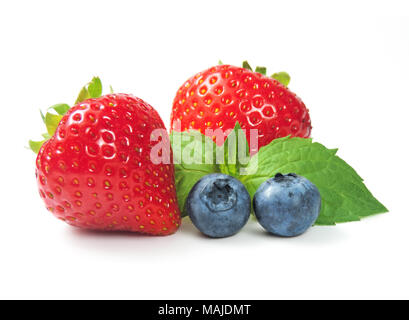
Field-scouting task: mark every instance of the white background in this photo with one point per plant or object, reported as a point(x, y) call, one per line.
point(349, 63)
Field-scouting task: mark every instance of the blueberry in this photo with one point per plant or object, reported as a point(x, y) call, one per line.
point(287, 205)
point(218, 205)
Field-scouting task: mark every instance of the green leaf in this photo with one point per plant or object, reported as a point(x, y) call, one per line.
point(235, 152)
point(42, 116)
point(60, 108)
point(51, 122)
point(194, 158)
point(111, 90)
point(344, 195)
point(35, 145)
point(262, 70)
point(246, 65)
point(93, 89)
point(283, 77)
point(83, 95)
point(220, 62)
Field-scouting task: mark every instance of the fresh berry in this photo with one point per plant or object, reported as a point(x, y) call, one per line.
point(96, 173)
point(287, 205)
point(219, 97)
point(218, 205)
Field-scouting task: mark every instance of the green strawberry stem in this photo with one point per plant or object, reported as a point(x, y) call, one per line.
point(282, 77)
point(246, 65)
point(262, 70)
point(93, 89)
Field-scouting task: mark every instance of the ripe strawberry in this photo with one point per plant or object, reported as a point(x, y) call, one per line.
point(223, 95)
point(95, 172)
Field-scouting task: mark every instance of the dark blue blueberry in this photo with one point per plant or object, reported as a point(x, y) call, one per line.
point(218, 205)
point(287, 205)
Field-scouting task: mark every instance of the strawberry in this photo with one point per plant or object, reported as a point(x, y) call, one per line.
point(219, 97)
point(95, 172)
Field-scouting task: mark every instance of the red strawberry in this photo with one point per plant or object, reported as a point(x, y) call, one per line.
point(96, 173)
point(223, 95)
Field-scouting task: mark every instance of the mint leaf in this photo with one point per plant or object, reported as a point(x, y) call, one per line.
point(344, 195)
point(235, 152)
point(194, 157)
point(282, 77)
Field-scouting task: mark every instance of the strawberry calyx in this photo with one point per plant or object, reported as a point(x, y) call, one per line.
point(54, 114)
point(262, 70)
point(282, 77)
point(92, 89)
point(246, 65)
